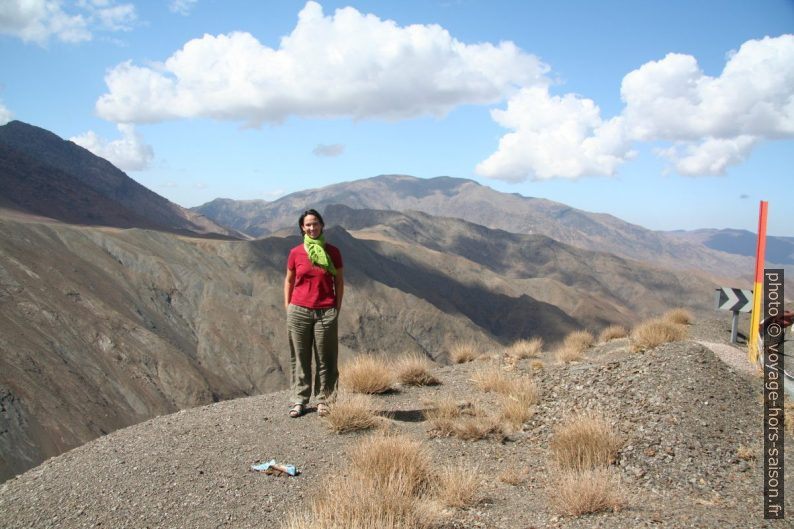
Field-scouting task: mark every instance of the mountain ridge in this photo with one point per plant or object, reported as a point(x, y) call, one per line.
point(471, 201)
point(45, 175)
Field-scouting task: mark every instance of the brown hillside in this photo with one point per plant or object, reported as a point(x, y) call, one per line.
point(689, 453)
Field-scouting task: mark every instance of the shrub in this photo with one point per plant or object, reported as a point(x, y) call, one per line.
point(457, 486)
point(573, 493)
point(522, 349)
point(448, 418)
point(745, 453)
point(612, 332)
point(385, 486)
point(565, 355)
point(492, 378)
point(414, 370)
point(461, 352)
point(652, 333)
point(515, 411)
point(680, 315)
point(352, 412)
point(578, 341)
point(513, 475)
point(584, 441)
point(391, 461)
point(366, 374)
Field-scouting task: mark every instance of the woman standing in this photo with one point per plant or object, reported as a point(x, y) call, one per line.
point(313, 290)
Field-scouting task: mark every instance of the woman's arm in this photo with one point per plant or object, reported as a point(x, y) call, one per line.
point(289, 284)
point(339, 287)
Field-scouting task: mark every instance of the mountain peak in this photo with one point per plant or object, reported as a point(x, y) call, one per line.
point(45, 175)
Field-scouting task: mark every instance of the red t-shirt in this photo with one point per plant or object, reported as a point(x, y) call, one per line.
point(314, 287)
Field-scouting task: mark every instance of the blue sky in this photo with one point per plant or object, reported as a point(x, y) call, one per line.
point(670, 115)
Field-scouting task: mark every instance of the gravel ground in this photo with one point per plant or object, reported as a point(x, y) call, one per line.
point(682, 411)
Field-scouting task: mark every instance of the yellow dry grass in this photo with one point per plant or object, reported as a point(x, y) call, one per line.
point(574, 493)
point(578, 341)
point(386, 461)
point(524, 348)
point(492, 378)
point(352, 412)
point(537, 364)
point(654, 332)
point(513, 475)
point(745, 453)
point(457, 486)
point(461, 352)
point(385, 486)
point(679, 315)
point(612, 332)
point(564, 355)
point(413, 369)
point(449, 418)
point(584, 441)
point(366, 374)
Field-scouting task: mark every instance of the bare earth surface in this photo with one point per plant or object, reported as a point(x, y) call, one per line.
point(683, 411)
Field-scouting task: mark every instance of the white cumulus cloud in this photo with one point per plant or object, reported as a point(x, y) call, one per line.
point(345, 65)
point(711, 122)
point(5, 114)
point(714, 121)
point(39, 20)
point(129, 153)
point(709, 157)
point(554, 137)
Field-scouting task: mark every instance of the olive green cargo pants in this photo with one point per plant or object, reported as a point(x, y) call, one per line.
point(313, 332)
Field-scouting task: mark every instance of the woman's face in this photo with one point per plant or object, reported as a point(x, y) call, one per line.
point(312, 226)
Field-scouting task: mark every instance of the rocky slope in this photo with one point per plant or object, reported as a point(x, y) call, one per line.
point(683, 414)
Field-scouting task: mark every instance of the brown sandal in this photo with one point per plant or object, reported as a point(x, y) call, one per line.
point(296, 411)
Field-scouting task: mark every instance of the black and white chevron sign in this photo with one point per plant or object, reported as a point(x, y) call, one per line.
point(734, 299)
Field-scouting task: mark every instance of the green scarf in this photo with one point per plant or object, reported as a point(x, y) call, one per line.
point(317, 254)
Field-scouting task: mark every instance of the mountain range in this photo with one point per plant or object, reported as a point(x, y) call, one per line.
point(478, 204)
point(124, 306)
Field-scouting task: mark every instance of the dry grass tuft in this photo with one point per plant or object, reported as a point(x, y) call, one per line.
point(461, 352)
point(537, 364)
point(457, 486)
point(589, 491)
point(654, 332)
point(584, 441)
point(391, 462)
point(745, 453)
point(449, 418)
point(565, 355)
point(680, 315)
point(515, 411)
point(788, 424)
point(522, 349)
point(612, 332)
point(366, 374)
point(578, 341)
point(385, 488)
point(415, 370)
point(492, 378)
point(352, 412)
point(514, 476)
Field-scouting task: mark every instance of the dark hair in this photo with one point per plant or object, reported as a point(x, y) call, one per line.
point(310, 212)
